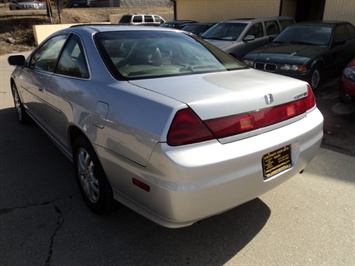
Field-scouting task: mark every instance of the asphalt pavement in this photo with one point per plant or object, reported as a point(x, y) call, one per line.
point(309, 220)
point(339, 118)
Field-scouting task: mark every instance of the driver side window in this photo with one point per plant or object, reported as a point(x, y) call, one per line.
point(46, 56)
point(256, 30)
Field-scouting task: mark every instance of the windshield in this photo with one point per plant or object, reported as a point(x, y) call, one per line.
point(306, 34)
point(224, 31)
point(145, 54)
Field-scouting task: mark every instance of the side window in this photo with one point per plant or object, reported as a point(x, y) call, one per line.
point(340, 33)
point(72, 61)
point(351, 31)
point(137, 19)
point(125, 19)
point(285, 23)
point(158, 19)
point(256, 30)
point(46, 56)
point(148, 19)
point(272, 28)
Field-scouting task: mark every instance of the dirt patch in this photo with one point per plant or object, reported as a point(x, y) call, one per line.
point(16, 34)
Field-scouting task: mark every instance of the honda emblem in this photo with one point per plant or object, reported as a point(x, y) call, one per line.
point(269, 99)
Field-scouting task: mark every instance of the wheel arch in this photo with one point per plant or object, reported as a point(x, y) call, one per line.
point(12, 81)
point(318, 62)
point(73, 133)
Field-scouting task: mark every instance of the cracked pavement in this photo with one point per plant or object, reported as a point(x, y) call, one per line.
point(38, 228)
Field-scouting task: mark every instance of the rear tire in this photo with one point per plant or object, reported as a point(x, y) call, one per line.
point(93, 184)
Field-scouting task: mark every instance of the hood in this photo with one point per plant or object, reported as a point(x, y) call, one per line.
point(226, 93)
point(291, 51)
point(221, 44)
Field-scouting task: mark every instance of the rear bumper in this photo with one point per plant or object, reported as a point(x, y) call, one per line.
point(192, 182)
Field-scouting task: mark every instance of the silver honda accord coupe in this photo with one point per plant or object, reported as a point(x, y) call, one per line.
point(164, 122)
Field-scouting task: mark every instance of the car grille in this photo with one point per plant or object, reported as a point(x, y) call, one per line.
point(266, 67)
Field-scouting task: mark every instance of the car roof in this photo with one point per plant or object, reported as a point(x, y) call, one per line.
point(330, 23)
point(117, 27)
point(140, 14)
point(180, 21)
point(200, 24)
point(247, 20)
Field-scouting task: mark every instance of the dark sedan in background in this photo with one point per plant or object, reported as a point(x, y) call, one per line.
point(197, 28)
point(177, 24)
point(78, 3)
point(308, 51)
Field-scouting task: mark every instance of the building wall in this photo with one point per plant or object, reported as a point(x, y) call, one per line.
point(217, 10)
point(340, 10)
point(288, 8)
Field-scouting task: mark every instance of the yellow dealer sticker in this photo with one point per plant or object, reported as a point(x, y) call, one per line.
point(277, 161)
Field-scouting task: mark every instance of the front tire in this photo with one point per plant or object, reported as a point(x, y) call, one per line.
point(93, 184)
point(315, 77)
point(21, 114)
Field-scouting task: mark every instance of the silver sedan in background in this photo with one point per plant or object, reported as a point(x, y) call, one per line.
point(164, 122)
point(26, 4)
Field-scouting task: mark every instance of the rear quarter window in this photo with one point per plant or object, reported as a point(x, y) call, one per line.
point(272, 28)
point(285, 23)
point(158, 19)
point(351, 31)
point(125, 19)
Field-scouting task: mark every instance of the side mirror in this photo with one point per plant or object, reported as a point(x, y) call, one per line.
point(16, 60)
point(339, 42)
point(249, 38)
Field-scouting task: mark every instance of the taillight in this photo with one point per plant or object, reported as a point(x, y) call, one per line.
point(188, 128)
point(236, 124)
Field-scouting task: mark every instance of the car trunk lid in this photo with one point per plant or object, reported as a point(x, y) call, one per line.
point(223, 94)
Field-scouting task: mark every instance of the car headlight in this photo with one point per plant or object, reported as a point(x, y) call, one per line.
point(289, 67)
point(249, 63)
point(349, 73)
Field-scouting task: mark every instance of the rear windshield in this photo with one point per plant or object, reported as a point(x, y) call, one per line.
point(145, 54)
point(224, 31)
point(125, 19)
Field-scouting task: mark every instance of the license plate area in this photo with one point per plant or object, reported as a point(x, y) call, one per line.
point(277, 161)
